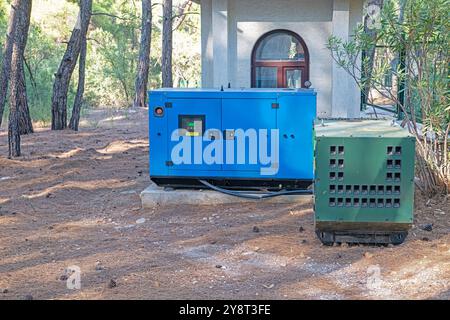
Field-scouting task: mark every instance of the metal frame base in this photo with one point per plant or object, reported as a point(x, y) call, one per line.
point(233, 184)
point(329, 238)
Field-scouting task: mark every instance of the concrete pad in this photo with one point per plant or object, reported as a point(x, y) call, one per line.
point(155, 196)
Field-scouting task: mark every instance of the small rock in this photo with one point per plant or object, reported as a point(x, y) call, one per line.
point(5, 291)
point(304, 241)
point(427, 227)
point(140, 221)
point(425, 239)
point(368, 255)
point(213, 242)
point(98, 266)
point(256, 229)
point(218, 266)
point(269, 286)
point(64, 277)
point(301, 229)
point(112, 284)
point(28, 297)
point(339, 256)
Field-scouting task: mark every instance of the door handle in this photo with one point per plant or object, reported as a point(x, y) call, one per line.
point(229, 134)
point(213, 135)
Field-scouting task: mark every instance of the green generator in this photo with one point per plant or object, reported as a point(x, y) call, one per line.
point(364, 181)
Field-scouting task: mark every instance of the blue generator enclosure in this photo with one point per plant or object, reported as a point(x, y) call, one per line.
point(250, 138)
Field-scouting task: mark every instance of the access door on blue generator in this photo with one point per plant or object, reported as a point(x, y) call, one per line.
point(195, 123)
point(247, 125)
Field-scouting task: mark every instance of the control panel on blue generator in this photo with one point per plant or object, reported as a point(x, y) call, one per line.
point(253, 138)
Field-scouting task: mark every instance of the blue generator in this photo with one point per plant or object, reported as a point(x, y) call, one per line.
point(238, 139)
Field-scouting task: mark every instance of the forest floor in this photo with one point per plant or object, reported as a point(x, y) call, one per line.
point(73, 200)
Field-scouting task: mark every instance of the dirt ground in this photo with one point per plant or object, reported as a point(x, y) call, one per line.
point(73, 200)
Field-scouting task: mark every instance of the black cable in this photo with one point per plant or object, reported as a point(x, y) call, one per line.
point(254, 196)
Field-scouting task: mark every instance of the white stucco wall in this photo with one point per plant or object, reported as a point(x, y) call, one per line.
point(356, 14)
point(230, 29)
point(207, 44)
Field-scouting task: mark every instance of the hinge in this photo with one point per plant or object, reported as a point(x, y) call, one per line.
point(168, 105)
point(169, 163)
point(275, 105)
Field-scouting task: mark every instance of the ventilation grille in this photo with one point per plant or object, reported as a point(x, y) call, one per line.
point(375, 203)
point(386, 195)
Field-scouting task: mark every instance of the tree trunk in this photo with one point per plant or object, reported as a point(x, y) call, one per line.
point(25, 123)
point(167, 81)
point(370, 53)
point(140, 99)
point(76, 111)
point(19, 40)
point(6, 65)
point(67, 65)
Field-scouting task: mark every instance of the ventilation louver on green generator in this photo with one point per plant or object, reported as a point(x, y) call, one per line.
point(364, 181)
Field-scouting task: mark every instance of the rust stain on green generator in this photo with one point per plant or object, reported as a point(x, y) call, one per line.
point(364, 181)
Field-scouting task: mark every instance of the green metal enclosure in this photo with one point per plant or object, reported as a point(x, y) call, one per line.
point(364, 181)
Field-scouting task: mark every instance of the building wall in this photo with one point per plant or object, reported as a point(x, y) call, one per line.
point(207, 44)
point(356, 13)
point(230, 29)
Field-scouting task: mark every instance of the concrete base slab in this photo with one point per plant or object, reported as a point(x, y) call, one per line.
point(155, 196)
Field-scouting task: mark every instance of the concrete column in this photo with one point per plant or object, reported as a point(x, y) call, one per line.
point(207, 45)
point(232, 44)
point(220, 43)
point(356, 14)
point(343, 91)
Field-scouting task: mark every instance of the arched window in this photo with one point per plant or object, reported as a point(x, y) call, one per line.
point(280, 59)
